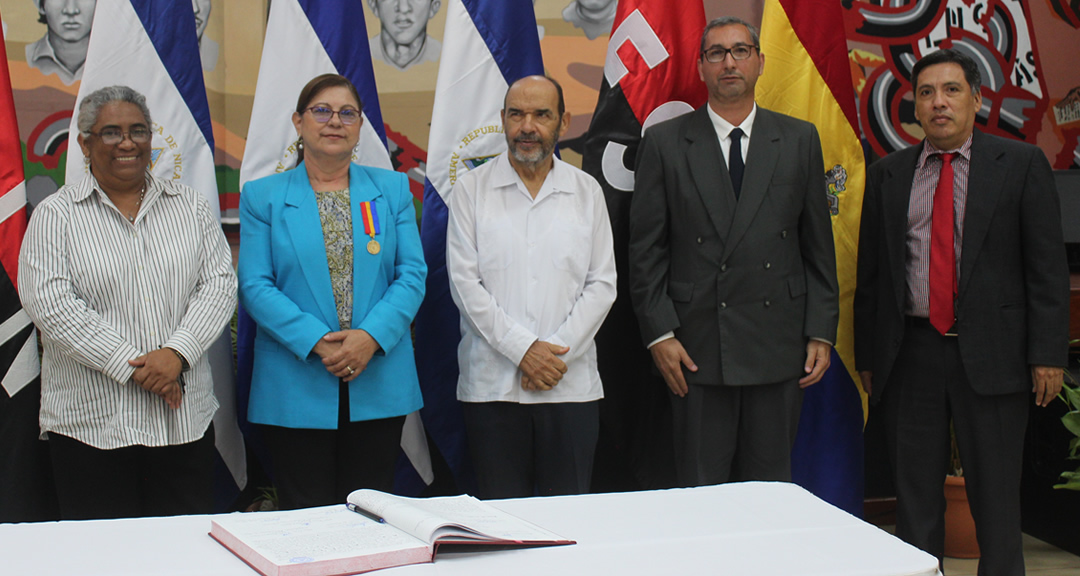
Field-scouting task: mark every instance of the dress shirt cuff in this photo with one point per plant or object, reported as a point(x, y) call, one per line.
point(516, 343)
point(664, 336)
point(184, 342)
point(117, 367)
point(822, 340)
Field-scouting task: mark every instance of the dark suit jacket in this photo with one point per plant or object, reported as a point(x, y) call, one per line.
point(743, 285)
point(1012, 307)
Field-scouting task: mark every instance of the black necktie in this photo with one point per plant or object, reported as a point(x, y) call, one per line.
point(735, 161)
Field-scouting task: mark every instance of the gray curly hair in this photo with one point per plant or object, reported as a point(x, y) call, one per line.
point(91, 106)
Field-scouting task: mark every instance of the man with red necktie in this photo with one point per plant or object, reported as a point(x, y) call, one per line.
point(961, 309)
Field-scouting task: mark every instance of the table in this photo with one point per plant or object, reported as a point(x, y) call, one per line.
point(758, 528)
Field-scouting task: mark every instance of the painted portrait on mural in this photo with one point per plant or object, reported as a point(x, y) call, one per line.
point(594, 17)
point(62, 50)
point(403, 39)
point(208, 49)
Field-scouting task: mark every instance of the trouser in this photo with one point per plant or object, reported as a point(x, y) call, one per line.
point(521, 450)
point(133, 481)
point(927, 389)
point(735, 433)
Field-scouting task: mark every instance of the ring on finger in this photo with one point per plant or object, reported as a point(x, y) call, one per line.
point(349, 368)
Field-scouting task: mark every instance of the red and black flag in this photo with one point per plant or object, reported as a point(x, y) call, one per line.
point(25, 483)
point(650, 75)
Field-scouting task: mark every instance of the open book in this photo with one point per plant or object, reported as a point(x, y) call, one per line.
point(374, 530)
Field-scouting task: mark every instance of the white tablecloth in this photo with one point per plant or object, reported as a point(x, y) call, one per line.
point(754, 528)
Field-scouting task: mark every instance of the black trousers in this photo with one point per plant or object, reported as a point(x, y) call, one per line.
point(735, 433)
point(133, 481)
point(320, 467)
point(926, 390)
point(522, 450)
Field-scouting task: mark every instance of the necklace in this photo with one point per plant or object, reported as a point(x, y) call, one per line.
point(138, 203)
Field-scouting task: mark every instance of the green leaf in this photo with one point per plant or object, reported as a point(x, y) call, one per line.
point(1071, 421)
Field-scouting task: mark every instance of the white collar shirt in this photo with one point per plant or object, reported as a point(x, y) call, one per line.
point(523, 269)
point(103, 290)
point(723, 130)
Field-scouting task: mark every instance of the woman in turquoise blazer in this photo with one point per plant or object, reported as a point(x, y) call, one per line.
point(332, 271)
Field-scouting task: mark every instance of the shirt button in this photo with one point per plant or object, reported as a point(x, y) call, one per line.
point(723, 305)
point(769, 265)
point(767, 303)
point(700, 240)
point(783, 233)
point(723, 267)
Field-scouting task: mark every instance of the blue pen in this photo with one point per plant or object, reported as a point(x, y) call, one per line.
point(365, 513)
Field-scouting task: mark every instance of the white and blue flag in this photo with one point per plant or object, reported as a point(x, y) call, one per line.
point(151, 46)
point(306, 38)
point(487, 45)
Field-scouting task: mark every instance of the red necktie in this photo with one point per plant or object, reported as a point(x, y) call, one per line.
point(942, 252)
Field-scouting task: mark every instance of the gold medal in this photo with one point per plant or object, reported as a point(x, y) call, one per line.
point(373, 247)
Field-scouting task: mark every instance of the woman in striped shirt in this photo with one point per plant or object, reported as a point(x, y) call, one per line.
point(129, 279)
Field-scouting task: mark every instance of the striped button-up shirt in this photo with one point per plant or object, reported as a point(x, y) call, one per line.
point(920, 220)
point(103, 290)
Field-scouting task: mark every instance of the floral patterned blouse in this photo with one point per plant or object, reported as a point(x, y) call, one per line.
point(336, 217)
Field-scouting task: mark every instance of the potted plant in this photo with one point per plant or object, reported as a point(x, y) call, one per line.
point(1071, 396)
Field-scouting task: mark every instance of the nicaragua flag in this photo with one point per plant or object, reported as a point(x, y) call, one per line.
point(306, 38)
point(151, 46)
point(808, 76)
point(650, 75)
point(487, 45)
point(25, 480)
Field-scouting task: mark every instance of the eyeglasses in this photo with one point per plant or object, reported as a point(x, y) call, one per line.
point(323, 114)
point(113, 136)
point(716, 54)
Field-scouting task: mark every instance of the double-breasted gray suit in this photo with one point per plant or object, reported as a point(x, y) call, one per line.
point(1012, 312)
point(743, 283)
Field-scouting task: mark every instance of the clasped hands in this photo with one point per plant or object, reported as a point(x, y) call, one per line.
point(541, 366)
point(346, 353)
point(159, 372)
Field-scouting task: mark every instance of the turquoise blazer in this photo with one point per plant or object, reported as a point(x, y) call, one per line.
point(285, 286)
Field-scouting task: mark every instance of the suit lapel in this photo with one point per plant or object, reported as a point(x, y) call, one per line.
point(305, 230)
point(707, 168)
point(366, 266)
point(761, 158)
point(986, 173)
point(895, 199)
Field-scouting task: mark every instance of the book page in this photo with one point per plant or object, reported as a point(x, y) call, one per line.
point(452, 517)
point(315, 535)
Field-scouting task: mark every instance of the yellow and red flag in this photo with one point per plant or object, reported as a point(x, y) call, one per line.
point(808, 76)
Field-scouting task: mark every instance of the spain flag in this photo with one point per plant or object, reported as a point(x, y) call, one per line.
point(807, 76)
